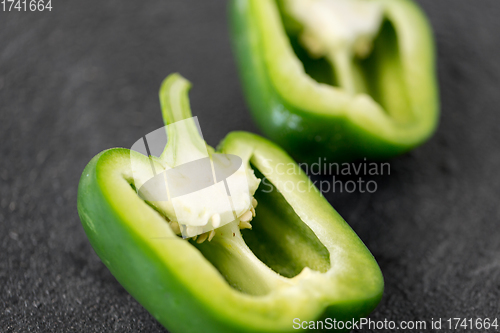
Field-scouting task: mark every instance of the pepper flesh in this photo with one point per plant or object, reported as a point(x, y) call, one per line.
point(340, 107)
point(301, 260)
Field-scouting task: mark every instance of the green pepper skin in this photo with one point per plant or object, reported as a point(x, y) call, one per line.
point(313, 120)
point(173, 279)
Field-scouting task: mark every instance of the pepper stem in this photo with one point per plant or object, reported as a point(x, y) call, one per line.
point(185, 142)
point(199, 211)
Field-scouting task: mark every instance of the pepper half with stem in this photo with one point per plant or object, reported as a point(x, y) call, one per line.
point(337, 79)
point(300, 259)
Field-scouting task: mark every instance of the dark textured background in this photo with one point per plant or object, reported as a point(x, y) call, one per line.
point(85, 77)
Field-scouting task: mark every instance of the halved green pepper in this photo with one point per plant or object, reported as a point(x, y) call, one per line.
point(300, 260)
point(337, 79)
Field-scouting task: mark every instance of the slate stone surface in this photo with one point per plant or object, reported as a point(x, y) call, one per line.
point(85, 77)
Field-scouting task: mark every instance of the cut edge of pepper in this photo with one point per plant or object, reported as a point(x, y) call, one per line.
point(361, 110)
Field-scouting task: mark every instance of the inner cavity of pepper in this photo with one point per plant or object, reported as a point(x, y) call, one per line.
point(278, 239)
point(277, 247)
point(377, 59)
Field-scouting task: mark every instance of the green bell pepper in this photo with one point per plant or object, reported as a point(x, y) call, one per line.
point(297, 259)
point(337, 79)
